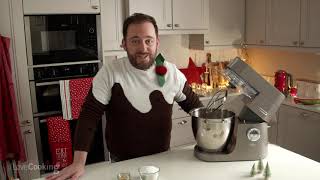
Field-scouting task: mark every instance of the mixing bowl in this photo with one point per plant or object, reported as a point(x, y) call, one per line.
point(213, 128)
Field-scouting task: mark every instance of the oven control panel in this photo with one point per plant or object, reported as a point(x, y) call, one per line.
point(54, 73)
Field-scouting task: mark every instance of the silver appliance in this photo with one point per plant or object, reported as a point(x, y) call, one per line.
point(247, 134)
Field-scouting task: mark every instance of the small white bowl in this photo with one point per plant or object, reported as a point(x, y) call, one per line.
point(149, 172)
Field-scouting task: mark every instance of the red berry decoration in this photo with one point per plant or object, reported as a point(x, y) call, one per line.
point(161, 70)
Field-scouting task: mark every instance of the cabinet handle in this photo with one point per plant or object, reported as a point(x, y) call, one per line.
point(168, 25)
point(261, 41)
point(301, 43)
point(207, 42)
point(176, 25)
point(295, 42)
point(182, 122)
point(28, 132)
point(94, 7)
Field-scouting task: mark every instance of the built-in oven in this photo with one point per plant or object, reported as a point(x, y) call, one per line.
point(61, 47)
point(46, 102)
point(45, 88)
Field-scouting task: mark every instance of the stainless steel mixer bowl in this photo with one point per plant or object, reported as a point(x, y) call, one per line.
point(213, 128)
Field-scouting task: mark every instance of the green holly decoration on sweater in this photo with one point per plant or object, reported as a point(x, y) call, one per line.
point(161, 70)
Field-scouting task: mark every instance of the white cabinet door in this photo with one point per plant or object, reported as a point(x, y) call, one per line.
point(190, 14)
point(256, 21)
point(112, 17)
point(60, 6)
point(283, 22)
point(226, 22)
point(174, 14)
point(161, 10)
point(28, 137)
point(298, 131)
point(310, 23)
point(181, 133)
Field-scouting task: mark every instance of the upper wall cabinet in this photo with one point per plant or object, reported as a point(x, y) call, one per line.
point(283, 22)
point(161, 10)
point(175, 16)
point(61, 6)
point(310, 24)
point(190, 14)
point(226, 22)
point(112, 17)
point(255, 21)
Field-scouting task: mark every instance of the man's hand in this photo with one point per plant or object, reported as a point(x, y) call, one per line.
point(73, 171)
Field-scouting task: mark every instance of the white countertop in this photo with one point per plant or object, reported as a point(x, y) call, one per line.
point(313, 108)
point(180, 164)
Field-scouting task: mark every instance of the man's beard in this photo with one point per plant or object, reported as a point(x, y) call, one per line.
point(142, 66)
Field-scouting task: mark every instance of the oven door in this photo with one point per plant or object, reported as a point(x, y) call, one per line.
point(45, 98)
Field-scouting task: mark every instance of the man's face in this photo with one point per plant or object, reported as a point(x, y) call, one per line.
point(141, 45)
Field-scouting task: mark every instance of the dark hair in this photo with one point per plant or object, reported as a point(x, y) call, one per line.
point(138, 18)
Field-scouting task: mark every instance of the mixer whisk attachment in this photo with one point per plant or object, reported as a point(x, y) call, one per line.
point(217, 100)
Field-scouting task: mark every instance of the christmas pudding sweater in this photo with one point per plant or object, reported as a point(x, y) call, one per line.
point(138, 109)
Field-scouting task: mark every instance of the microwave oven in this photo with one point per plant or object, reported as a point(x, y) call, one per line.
point(54, 39)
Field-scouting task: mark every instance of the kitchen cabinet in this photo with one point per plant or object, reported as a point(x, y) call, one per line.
point(226, 23)
point(283, 22)
point(298, 131)
point(61, 6)
point(255, 22)
point(181, 132)
point(273, 22)
point(20, 70)
point(310, 24)
point(182, 16)
point(28, 137)
point(161, 10)
point(112, 17)
point(190, 14)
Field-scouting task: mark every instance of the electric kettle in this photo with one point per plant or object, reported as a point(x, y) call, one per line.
point(283, 81)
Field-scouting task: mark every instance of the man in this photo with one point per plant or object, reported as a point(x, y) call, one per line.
point(137, 105)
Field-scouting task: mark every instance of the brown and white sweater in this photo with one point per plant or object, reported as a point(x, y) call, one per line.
point(138, 110)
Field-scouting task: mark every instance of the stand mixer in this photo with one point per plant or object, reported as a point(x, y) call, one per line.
point(237, 130)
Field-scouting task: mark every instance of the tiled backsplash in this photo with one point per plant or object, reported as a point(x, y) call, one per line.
point(305, 89)
point(301, 65)
point(175, 49)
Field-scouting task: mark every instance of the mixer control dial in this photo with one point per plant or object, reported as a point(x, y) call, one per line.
point(253, 134)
